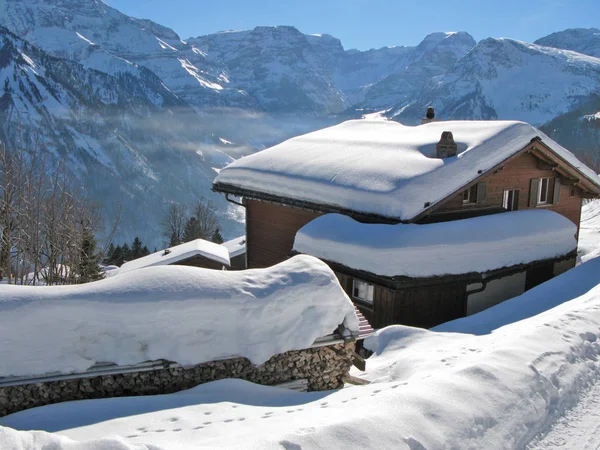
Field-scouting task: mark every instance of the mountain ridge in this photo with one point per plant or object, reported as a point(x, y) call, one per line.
point(171, 112)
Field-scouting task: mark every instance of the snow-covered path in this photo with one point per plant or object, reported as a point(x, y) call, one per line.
point(578, 429)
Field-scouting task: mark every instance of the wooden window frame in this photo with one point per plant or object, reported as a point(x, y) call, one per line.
point(541, 191)
point(476, 194)
point(369, 289)
point(515, 199)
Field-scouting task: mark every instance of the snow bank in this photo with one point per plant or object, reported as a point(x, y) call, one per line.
point(589, 231)
point(429, 390)
point(479, 244)
point(34, 440)
point(383, 167)
point(178, 253)
point(183, 314)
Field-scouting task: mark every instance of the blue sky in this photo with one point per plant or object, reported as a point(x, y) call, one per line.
point(372, 23)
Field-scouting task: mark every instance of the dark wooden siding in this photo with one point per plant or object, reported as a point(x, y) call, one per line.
point(517, 174)
point(430, 306)
point(200, 261)
point(419, 306)
point(238, 262)
point(539, 275)
point(270, 231)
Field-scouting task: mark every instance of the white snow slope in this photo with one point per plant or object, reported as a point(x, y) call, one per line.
point(429, 390)
point(478, 244)
point(382, 167)
point(183, 314)
point(589, 236)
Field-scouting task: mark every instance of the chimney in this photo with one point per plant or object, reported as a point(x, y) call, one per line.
point(429, 116)
point(446, 147)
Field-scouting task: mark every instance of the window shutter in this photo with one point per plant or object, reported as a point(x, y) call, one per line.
point(516, 200)
point(556, 196)
point(481, 192)
point(533, 192)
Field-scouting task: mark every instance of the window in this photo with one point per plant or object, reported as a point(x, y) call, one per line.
point(510, 201)
point(543, 184)
point(362, 291)
point(470, 195)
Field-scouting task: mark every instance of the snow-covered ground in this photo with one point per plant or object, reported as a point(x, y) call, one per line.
point(589, 235)
point(525, 381)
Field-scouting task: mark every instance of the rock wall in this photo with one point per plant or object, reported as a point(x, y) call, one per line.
point(323, 367)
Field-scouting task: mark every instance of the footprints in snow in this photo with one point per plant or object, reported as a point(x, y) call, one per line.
point(266, 415)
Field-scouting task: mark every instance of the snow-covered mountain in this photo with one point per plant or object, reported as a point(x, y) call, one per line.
point(100, 37)
point(150, 117)
point(581, 40)
point(283, 69)
point(579, 130)
point(414, 70)
point(508, 79)
point(126, 137)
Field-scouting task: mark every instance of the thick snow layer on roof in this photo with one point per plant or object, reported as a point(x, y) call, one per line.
point(382, 167)
point(236, 246)
point(187, 315)
point(478, 244)
point(197, 247)
point(428, 390)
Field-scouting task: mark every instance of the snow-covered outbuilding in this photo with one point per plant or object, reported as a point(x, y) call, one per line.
point(197, 253)
point(377, 171)
point(237, 252)
point(423, 275)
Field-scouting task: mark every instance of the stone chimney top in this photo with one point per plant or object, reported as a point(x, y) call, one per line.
point(429, 116)
point(446, 147)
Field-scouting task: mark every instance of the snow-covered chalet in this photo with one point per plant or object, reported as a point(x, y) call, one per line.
point(421, 224)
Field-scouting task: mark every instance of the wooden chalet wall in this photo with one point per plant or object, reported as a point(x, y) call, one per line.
point(417, 306)
point(238, 262)
point(517, 174)
point(270, 232)
point(200, 261)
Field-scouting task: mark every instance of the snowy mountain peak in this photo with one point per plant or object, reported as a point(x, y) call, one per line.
point(543, 82)
point(581, 40)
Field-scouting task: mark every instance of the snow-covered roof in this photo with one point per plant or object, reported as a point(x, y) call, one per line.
point(172, 255)
point(478, 244)
point(236, 246)
point(187, 315)
point(382, 167)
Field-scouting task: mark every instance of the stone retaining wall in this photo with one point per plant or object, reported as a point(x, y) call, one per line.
point(323, 367)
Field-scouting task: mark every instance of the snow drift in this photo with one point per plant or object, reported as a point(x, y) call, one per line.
point(429, 390)
point(479, 244)
point(183, 314)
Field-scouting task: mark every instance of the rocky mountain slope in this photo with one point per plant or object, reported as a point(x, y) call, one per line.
point(123, 136)
point(579, 130)
point(508, 79)
point(145, 118)
point(580, 40)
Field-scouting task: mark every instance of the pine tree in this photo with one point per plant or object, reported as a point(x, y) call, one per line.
point(191, 230)
point(108, 259)
point(89, 269)
point(136, 248)
point(125, 253)
point(174, 240)
point(145, 251)
point(116, 257)
point(217, 237)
